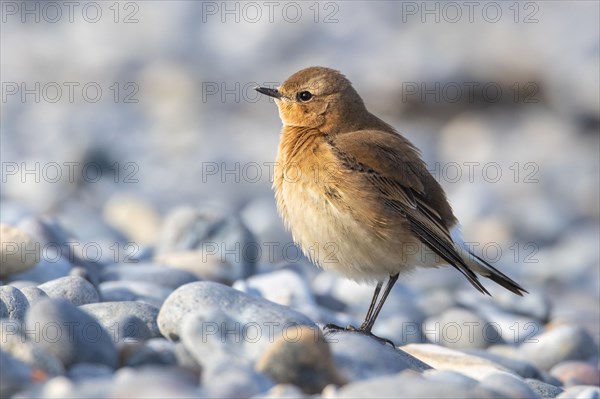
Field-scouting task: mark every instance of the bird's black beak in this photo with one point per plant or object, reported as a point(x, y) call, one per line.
point(269, 92)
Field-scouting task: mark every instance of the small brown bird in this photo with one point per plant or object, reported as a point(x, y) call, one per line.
point(357, 196)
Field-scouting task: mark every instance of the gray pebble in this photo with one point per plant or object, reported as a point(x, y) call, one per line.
point(284, 287)
point(542, 389)
point(535, 304)
point(33, 294)
point(15, 343)
point(14, 375)
point(460, 328)
point(154, 351)
point(69, 333)
point(509, 386)
point(212, 234)
point(209, 300)
point(373, 359)
point(155, 381)
point(18, 250)
point(522, 367)
point(76, 290)
point(13, 304)
point(120, 315)
point(164, 276)
point(120, 291)
point(561, 343)
point(50, 267)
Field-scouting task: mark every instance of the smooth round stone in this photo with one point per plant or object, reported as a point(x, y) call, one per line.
point(70, 334)
point(576, 373)
point(284, 287)
point(209, 243)
point(513, 329)
point(561, 343)
point(304, 361)
point(207, 299)
point(76, 290)
point(18, 250)
point(50, 267)
point(115, 316)
point(542, 389)
point(14, 375)
point(134, 216)
point(522, 367)
point(33, 294)
point(374, 359)
point(509, 386)
point(121, 291)
point(154, 351)
point(13, 304)
point(15, 342)
point(228, 378)
point(164, 276)
point(580, 392)
point(400, 329)
point(460, 328)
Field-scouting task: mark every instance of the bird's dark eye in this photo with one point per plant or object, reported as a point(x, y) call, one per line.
point(304, 96)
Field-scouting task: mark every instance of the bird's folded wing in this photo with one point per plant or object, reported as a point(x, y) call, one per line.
point(392, 167)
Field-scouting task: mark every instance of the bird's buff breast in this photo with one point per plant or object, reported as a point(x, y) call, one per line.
point(313, 202)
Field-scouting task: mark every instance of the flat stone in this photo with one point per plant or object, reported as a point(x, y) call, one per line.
point(442, 358)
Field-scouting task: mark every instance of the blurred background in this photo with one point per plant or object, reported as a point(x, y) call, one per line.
point(115, 115)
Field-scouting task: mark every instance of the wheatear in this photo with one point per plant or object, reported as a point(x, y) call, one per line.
point(357, 196)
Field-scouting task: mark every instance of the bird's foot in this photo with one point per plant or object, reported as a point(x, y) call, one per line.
point(331, 328)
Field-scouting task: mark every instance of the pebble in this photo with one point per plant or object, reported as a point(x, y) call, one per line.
point(284, 287)
point(374, 359)
point(208, 299)
point(119, 291)
point(303, 360)
point(283, 391)
point(542, 389)
point(50, 267)
point(164, 276)
point(217, 240)
point(442, 358)
point(509, 386)
point(18, 250)
point(522, 367)
point(576, 373)
point(535, 304)
point(14, 375)
point(69, 333)
point(154, 351)
point(76, 290)
point(134, 216)
point(86, 371)
point(13, 304)
point(561, 343)
point(33, 294)
point(460, 328)
point(122, 315)
point(15, 343)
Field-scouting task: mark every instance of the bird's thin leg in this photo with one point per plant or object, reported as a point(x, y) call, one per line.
point(372, 305)
point(368, 324)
